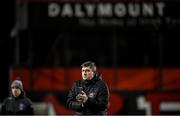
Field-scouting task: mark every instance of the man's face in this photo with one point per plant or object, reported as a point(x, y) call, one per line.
point(87, 73)
point(15, 91)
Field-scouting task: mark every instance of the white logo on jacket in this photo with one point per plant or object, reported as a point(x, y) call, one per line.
point(91, 95)
point(21, 106)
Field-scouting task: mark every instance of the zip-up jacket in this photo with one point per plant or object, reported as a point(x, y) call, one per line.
point(98, 96)
point(20, 105)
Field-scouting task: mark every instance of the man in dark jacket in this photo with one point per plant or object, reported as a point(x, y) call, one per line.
point(17, 103)
point(89, 96)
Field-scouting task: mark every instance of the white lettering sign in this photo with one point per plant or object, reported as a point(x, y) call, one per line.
point(106, 9)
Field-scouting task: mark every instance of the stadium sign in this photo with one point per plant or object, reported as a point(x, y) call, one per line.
point(105, 9)
point(104, 13)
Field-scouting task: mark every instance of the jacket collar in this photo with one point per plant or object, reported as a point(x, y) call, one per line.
point(22, 95)
point(96, 78)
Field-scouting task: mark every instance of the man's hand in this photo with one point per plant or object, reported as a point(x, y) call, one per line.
point(82, 97)
point(79, 98)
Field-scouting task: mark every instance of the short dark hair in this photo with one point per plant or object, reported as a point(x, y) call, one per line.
point(90, 64)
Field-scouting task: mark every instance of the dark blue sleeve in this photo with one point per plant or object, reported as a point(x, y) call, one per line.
point(71, 99)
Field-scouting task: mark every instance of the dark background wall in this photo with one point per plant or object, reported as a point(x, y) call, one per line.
point(6, 46)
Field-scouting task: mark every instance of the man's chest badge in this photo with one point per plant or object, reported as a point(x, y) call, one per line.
point(21, 106)
point(91, 95)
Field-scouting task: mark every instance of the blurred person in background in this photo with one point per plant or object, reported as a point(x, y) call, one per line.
point(89, 96)
point(17, 103)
